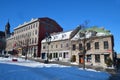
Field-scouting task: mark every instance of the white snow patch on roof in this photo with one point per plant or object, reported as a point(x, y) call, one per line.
point(59, 36)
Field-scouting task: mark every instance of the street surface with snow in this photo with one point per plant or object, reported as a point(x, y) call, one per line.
point(31, 70)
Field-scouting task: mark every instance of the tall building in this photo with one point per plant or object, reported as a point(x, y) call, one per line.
point(3, 36)
point(28, 36)
point(2, 40)
point(7, 30)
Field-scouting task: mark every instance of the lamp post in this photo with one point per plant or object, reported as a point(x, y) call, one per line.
point(48, 41)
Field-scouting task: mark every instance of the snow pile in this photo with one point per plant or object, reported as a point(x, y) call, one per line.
point(31, 70)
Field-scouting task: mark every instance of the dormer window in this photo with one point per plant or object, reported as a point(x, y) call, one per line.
point(64, 35)
point(93, 33)
point(55, 37)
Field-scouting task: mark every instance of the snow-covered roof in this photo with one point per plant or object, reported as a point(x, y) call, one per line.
point(93, 31)
point(59, 36)
point(89, 32)
point(25, 23)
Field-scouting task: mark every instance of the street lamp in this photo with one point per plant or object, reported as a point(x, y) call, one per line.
point(48, 41)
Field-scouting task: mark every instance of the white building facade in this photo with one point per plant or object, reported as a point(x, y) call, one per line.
point(26, 35)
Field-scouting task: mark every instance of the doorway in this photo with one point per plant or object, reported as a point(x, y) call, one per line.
point(81, 61)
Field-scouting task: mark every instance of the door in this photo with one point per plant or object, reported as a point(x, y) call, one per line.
point(81, 59)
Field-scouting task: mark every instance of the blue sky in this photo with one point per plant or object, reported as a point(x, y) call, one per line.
point(68, 13)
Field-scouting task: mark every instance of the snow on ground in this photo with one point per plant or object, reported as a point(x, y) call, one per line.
point(31, 70)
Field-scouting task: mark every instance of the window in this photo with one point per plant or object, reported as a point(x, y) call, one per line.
point(88, 58)
point(36, 25)
point(35, 40)
point(61, 45)
point(60, 54)
point(64, 35)
point(44, 47)
point(96, 45)
point(56, 46)
point(106, 56)
point(80, 47)
point(88, 46)
point(73, 47)
point(67, 45)
point(35, 32)
point(54, 55)
point(29, 41)
point(51, 46)
point(106, 45)
point(65, 55)
point(97, 58)
point(32, 40)
point(31, 26)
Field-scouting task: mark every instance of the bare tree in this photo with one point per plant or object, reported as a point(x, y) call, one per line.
point(23, 44)
point(84, 40)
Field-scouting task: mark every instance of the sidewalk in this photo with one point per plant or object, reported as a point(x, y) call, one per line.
point(111, 71)
point(68, 64)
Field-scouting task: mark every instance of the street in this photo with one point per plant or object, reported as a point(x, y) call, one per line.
point(32, 70)
point(116, 76)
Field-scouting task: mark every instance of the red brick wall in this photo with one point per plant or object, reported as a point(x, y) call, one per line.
point(46, 25)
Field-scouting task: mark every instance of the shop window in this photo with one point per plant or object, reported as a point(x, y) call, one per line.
point(60, 54)
point(65, 55)
point(88, 58)
point(97, 58)
point(54, 55)
point(106, 57)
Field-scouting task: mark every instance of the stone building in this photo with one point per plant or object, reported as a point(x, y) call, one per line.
point(97, 42)
point(59, 48)
point(28, 36)
point(10, 44)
